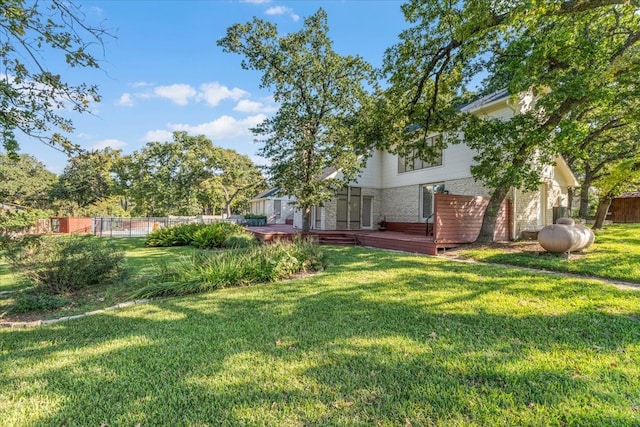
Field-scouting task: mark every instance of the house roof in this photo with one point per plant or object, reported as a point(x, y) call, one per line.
point(629, 195)
point(266, 194)
point(487, 99)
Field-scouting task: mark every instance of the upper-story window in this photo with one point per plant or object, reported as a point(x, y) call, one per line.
point(413, 162)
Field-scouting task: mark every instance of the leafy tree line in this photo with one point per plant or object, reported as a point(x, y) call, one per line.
point(186, 176)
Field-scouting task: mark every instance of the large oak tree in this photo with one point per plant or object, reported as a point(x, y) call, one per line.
point(571, 56)
point(320, 93)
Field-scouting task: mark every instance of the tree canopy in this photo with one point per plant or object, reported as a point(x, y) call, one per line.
point(25, 181)
point(32, 95)
point(618, 177)
point(186, 176)
point(573, 58)
point(320, 94)
point(87, 179)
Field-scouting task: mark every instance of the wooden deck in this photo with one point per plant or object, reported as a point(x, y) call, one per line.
point(392, 240)
point(457, 221)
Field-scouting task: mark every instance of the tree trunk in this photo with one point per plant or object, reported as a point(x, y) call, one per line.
point(491, 215)
point(584, 193)
point(227, 208)
point(306, 219)
point(601, 212)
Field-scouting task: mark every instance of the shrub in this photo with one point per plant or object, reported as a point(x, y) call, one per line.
point(59, 264)
point(254, 216)
point(214, 235)
point(238, 241)
point(14, 223)
point(204, 272)
point(204, 236)
point(26, 302)
point(177, 235)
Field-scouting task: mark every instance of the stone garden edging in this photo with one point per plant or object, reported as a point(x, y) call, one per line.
point(77, 316)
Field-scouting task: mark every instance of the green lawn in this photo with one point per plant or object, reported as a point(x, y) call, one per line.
point(614, 255)
point(379, 338)
point(141, 262)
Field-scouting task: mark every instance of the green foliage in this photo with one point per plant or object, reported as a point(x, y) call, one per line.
point(320, 94)
point(59, 264)
point(214, 235)
point(86, 180)
point(186, 176)
point(203, 236)
point(177, 235)
point(25, 181)
point(204, 272)
point(32, 95)
point(28, 301)
point(15, 222)
point(254, 216)
point(238, 241)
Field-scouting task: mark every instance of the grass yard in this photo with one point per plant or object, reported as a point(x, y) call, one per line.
point(141, 261)
point(614, 255)
point(379, 338)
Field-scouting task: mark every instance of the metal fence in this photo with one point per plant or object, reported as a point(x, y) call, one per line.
point(140, 227)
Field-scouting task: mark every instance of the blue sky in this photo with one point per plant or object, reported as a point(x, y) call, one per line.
point(163, 71)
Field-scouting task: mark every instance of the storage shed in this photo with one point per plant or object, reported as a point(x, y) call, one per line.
point(626, 208)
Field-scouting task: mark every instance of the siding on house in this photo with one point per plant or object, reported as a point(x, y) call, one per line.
point(266, 206)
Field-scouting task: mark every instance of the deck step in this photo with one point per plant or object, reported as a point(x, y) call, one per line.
point(336, 239)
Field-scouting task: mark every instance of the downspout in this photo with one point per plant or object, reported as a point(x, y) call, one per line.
point(513, 218)
point(514, 211)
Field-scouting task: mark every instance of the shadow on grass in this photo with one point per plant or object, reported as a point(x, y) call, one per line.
point(425, 346)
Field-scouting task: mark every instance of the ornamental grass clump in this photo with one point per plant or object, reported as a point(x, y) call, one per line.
point(202, 236)
point(60, 264)
point(177, 235)
point(203, 272)
point(214, 235)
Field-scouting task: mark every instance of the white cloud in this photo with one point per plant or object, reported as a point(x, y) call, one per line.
point(177, 93)
point(158, 136)
point(277, 10)
point(116, 144)
point(223, 127)
point(126, 100)
point(213, 93)
point(247, 106)
point(282, 10)
point(140, 84)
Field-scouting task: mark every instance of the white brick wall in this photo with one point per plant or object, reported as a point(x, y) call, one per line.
point(528, 206)
point(401, 204)
point(466, 187)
